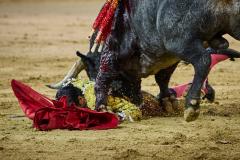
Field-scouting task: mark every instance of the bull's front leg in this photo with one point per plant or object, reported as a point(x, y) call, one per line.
point(194, 53)
point(166, 98)
point(107, 73)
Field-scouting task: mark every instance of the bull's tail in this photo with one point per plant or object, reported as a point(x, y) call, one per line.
point(231, 53)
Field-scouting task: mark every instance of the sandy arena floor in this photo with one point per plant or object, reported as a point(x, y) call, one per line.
point(38, 40)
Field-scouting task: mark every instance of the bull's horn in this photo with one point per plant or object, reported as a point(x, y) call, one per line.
point(73, 73)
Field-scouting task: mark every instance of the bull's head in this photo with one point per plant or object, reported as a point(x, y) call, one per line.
point(90, 62)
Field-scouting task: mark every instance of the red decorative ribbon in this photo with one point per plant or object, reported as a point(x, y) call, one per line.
point(104, 20)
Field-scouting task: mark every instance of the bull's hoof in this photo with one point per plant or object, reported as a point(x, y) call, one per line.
point(175, 103)
point(171, 105)
point(210, 96)
point(191, 115)
point(167, 105)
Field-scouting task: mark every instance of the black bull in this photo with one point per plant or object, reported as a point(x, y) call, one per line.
point(151, 37)
point(160, 33)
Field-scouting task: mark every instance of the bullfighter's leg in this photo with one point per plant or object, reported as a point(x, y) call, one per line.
point(200, 58)
point(168, 100)
point(107, 73)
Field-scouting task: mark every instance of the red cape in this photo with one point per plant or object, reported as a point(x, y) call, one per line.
point(49, 114)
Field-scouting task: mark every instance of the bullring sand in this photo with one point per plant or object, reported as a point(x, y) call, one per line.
point(38, 40)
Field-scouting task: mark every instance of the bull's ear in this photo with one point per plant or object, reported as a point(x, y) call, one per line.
point(84, 58)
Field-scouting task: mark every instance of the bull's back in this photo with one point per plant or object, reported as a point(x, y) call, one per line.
point(154, 21)
point(162, 24)
point(145, 22)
